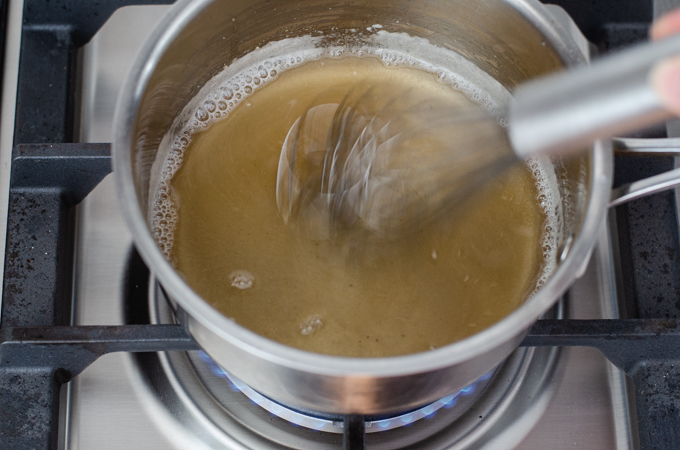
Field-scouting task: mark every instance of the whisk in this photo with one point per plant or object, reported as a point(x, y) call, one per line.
point(395, 168)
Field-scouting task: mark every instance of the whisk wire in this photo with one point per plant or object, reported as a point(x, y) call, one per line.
point(394, 167)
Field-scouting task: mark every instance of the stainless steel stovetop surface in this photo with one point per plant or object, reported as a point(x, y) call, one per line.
point(155, 402)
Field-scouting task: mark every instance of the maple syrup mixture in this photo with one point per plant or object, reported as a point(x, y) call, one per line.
point(216, 218)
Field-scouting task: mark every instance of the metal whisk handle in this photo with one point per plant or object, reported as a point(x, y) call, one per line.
point(569, 110)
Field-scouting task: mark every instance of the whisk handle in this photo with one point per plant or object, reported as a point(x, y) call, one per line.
point(569, 110)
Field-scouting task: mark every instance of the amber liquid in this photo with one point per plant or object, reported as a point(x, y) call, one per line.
point(373, 298)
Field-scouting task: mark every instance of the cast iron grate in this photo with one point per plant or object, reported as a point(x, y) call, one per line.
point(39, 351)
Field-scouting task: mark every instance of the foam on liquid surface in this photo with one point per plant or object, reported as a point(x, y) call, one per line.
point(419, 296)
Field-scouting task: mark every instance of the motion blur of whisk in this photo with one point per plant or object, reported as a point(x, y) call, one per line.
point(386, 164)
point(390, 163)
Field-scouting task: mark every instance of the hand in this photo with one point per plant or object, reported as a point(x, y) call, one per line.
point(666, 75)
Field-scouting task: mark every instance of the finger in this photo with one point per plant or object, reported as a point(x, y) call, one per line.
point(665, 80)
point(666, 25)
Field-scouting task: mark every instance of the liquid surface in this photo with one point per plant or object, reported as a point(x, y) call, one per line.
point(345, 296)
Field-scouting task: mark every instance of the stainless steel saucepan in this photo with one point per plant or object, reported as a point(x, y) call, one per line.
point(512, 40)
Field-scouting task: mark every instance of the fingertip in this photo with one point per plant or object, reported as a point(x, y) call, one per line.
point(666, 25)
point(665, 79)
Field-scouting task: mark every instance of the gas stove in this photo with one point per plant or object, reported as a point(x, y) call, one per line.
point(91, 355)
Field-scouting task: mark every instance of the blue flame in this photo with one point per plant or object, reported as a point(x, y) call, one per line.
point(318, 424)
point(448, 399)
point(298, 419)
point(408, 418)
point(468, 389)
point(428, 410)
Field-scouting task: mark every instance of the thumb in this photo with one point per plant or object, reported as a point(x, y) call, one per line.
point(665, 79)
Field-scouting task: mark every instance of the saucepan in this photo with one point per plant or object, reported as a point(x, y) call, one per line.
point(512, 40)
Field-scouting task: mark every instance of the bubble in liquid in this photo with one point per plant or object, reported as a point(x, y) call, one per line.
point(256, 81)
point(311, 324)
point(273, 73)
point(227, 93)
point(202, 115)
point(248, 89)
point(221, 105)
point(242, 279)
point(209, 106)
point(262, 72)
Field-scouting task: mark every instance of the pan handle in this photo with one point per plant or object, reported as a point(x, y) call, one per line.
point(651, 185)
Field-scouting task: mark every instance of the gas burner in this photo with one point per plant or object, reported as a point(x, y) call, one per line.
point(221, 409)
point(334, 424)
